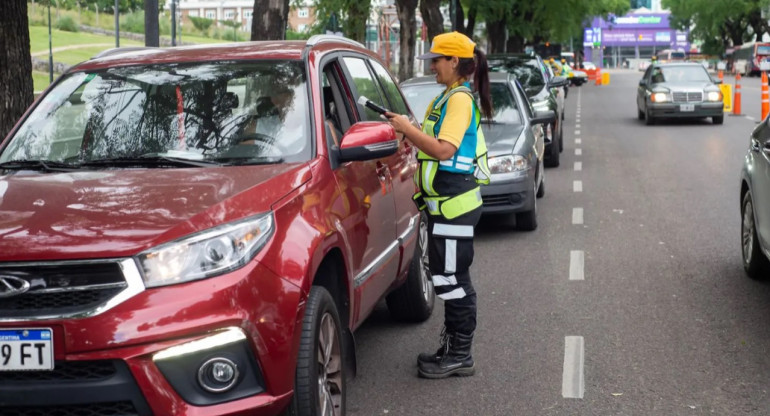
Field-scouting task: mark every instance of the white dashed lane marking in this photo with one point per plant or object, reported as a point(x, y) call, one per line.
point(573, 381)
point(577, 186)
point(577, 216)
point(578, 166)
point(578, 152)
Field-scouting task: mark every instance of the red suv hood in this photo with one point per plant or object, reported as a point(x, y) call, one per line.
point(94, 214)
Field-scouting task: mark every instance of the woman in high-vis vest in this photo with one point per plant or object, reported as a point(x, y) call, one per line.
point(453, 163)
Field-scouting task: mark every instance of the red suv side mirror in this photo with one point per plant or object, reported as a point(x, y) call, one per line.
point(367, 140)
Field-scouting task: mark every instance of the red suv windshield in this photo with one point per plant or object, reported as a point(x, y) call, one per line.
point(227, 112)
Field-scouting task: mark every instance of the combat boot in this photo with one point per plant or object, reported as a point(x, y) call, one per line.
point(434, 357)
point(456, 361)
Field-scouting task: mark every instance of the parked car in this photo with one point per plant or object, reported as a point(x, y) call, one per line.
point(199, 230)
point(755, 204)
point(589, 66)
point(543, 92)
point(675, 90)
point(515, 142)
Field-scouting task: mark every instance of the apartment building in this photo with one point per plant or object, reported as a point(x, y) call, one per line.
point(301, 18)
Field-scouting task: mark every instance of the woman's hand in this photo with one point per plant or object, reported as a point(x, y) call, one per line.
point(399, 122)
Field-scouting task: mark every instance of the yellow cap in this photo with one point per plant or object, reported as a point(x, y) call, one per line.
point(450, 44)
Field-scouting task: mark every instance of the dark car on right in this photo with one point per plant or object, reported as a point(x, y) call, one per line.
point(543, 92)
point(755, 204)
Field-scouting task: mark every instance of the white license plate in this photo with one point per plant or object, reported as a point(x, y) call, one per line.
point(686, 107)
point(26, 349)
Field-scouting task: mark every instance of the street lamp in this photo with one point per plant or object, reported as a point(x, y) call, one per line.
point(50, 46)
point(117, 25)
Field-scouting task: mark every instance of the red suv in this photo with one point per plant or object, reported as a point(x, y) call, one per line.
point(199, 230)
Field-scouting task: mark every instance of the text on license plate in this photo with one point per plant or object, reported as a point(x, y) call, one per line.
point(26, 349)
point(686, 107)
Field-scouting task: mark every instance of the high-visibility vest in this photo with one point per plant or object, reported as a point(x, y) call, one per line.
point(470, 158)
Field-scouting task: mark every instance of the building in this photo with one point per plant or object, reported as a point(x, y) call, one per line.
point(628, 39)
point(301, 17)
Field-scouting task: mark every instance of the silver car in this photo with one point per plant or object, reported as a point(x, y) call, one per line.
point(515, 143)
point(683, 89)
point(755, 204)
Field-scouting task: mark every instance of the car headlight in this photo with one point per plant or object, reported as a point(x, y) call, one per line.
point(210, 253)
point(714, 96)
point(659, 97)
point(507, 164)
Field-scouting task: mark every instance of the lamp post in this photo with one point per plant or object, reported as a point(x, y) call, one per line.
point(117, 25)
point(173, 22)
point(50, 46)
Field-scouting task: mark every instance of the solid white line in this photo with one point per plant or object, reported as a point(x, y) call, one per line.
point(573, 380)
point(578, 152)
point(577, 186)
point(578, 166)
point(577, 216)
point(578, 141)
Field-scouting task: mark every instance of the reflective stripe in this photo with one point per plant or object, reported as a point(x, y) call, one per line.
point(450, 256)
point(446, 162)
point(464, 166)
point(451, 230)
point(439, 280)
point(458, 293)
point(427, 181)
point(432, 205)
point(464, 159)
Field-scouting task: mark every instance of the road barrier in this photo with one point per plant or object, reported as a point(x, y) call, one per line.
point(606, 78)
point(727, 97)
point(737, 99)
point(765, 97)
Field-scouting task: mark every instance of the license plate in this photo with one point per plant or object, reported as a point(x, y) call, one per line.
point(686, 107)
point(26, 349)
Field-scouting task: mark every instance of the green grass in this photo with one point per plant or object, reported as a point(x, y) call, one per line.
point(40, 80)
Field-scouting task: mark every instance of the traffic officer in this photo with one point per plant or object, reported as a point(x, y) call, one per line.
point(453, 162)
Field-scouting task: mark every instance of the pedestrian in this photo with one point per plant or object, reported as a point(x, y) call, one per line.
point(453, 162)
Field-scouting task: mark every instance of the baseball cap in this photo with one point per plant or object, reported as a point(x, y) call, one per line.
point(450, 44)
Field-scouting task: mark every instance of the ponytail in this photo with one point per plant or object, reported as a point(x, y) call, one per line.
point(478, 67)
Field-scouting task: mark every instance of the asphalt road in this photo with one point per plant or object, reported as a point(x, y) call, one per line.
point(658, 318)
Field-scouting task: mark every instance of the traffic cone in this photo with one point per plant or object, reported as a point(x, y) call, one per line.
point(598, 76)
point(737, 99)
point(765, 97)
point(721, 75)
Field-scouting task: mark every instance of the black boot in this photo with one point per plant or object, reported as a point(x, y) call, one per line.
point(434, 357)
point(457, 361)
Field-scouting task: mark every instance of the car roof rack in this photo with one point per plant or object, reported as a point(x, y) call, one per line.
point(316, 39)
point(117, 51)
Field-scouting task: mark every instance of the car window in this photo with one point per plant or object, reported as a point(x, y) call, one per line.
point(397, 103)
point(504, 105)
point(420, 96)
point(365, 86)
point(527, 71)
point(681, 73)
point(219, 111)
point(527, 104)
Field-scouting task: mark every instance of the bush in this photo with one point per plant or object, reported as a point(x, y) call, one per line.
point(67, 24)
point(133, 22)
point(201, 23)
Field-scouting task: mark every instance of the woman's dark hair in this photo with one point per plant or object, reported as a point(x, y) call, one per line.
point(478, 67)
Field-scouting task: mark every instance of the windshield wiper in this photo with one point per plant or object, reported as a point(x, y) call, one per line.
point(41, 165)
point(152, 161)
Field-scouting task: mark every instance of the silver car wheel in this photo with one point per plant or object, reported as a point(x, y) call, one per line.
point(425, 279)
point(748, 231)
point(329, 368)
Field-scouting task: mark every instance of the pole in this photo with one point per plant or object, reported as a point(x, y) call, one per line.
point(50, 47)
point(173, 22)
point(117, 25)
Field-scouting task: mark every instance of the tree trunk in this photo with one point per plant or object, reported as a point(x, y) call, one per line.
point(407, 35)
point(358, 14)
point(496, 32)
point(151, 24)
point(431, 16)
point(269, 19)
point(515, 44)
point(16, 86)
point(472, 12)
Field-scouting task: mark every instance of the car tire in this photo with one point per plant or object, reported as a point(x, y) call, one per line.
point(414, 300)
point(553, 156)
point(648, 120)
point(541, 189)
point(754, 261)
point(321, 334)
point(640, 114)
point(718, 119)
point(561, 137)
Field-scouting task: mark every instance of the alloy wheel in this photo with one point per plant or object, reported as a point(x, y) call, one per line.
point(329, 368)
point(748, 231)
point(425, 279)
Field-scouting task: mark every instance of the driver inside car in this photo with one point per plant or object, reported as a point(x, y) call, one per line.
point(269, 114)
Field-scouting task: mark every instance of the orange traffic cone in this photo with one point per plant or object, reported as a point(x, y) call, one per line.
point(721, 75)
point(765, 97)
point(598, 76)
point(737, 99)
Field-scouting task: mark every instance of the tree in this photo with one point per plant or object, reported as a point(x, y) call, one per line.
point(269, 19)
point(352, 13)
point(432, 17)
point(406, 10)
point(16, 85)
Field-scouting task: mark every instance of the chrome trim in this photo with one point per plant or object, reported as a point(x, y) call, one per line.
point(12, 286)
point(81, 288)
point(369, 270)
point(130, 273)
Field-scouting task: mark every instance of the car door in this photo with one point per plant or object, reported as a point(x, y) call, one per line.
point(381, 207)
point(365, 203)
point(528, 113)
point(641, 93)
point(760, 149)
point(404, 163)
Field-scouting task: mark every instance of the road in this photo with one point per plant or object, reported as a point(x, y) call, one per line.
point(657, 319)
